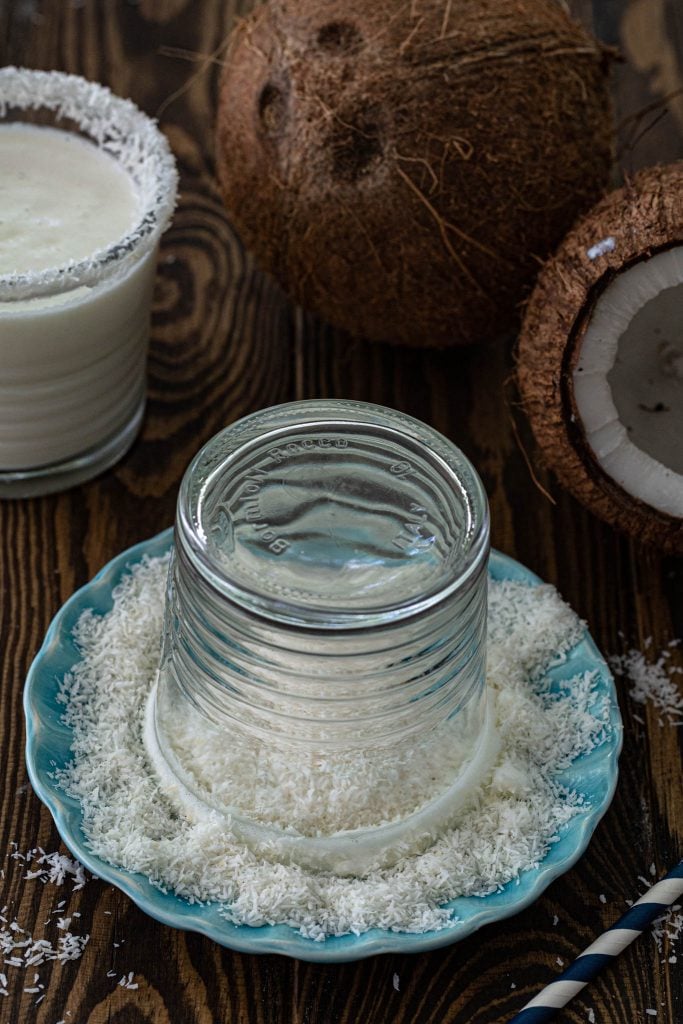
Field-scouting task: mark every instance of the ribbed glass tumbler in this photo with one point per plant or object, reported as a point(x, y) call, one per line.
point(322, 681)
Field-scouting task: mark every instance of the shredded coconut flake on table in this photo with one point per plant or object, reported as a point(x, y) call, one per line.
point(668, 928)
point(54, 867)
point(652, 682)
point(517, 813)
point(21, 949)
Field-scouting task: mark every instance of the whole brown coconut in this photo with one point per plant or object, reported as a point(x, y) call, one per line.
point(600, 359)
point(402, 167)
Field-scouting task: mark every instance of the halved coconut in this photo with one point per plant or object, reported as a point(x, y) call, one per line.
point(600, 358)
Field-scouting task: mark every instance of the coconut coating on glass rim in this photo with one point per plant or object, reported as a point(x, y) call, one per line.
point(401, 168)
point(626, 229)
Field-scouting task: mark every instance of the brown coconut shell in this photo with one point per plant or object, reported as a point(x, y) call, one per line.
point(401, 168)
point(644, 217)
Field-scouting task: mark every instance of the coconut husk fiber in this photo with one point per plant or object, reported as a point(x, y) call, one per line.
point(643, 218)
point(401, 168)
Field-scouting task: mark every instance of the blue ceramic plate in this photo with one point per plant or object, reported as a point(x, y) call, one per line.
point(48, 745)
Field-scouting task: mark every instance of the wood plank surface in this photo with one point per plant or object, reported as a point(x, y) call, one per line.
point(226, 342)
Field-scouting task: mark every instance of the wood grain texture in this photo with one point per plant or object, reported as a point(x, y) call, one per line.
point(225, 342)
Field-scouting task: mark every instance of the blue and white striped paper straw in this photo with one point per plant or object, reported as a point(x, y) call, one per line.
point(603, 951)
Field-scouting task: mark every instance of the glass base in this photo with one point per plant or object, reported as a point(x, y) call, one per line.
point(59, 476)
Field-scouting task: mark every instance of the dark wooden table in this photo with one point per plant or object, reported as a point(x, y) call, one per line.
point(225, 342)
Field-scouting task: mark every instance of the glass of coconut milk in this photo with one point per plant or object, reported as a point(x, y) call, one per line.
point(87, 186)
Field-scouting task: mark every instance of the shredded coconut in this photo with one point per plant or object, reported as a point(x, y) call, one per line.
point(652, 682)
point(605, 245)
point(20, 948)
point(53, 867)
point(668, 928)
point(129, 822)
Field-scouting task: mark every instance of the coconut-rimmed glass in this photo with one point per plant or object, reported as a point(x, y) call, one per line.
point(40, 303)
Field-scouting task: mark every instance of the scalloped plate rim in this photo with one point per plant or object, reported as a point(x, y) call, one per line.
point(283, 939)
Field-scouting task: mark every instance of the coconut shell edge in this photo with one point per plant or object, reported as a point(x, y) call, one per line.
point(629, 225)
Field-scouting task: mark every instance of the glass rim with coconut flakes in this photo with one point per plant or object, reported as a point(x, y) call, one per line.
point(120, 129)
point(90, 187)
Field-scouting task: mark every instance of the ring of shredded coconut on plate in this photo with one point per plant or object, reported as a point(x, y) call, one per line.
point(516, 813)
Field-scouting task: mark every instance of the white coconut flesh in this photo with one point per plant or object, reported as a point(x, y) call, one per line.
point(628, 381)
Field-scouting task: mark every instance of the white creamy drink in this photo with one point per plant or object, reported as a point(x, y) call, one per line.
point(72, 363)
point(61, 198)
point(80, 220)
